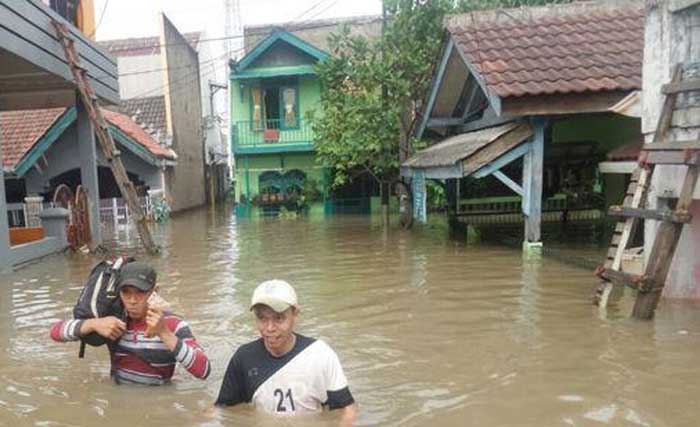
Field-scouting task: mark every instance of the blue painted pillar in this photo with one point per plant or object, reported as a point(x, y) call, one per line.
point(4, 230)
point(88, 170)
point(533, 164)
point(419, 196)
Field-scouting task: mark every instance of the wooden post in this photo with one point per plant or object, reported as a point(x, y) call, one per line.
point(5, 263)
point(532, 186)
point(115, 213)
point(88, 170)
point(109, 149)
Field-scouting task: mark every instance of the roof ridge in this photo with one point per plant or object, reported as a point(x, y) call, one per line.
point(550, 13)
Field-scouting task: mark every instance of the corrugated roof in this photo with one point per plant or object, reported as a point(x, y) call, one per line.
point(457, 148)
point(586, 49)
point(138, 46)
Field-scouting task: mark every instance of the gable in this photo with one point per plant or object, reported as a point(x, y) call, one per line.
point(279, 47)
point(281, 54)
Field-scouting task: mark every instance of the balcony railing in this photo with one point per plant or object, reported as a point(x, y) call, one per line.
point(272, 136)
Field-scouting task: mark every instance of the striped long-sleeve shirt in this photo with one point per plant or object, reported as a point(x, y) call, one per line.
point(141, 360)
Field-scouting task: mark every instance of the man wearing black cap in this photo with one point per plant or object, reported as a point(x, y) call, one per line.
point(145, 348)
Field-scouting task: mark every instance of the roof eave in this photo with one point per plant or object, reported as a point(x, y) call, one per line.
point(277, 35)
point(45, 142)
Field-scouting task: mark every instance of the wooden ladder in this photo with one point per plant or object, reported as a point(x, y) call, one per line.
point(661, 151)
point(109, 149)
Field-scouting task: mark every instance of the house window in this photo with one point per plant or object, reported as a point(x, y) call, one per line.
point(290, 102)
point(275, 107)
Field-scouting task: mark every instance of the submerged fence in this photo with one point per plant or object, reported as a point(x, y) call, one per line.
point(113, 211)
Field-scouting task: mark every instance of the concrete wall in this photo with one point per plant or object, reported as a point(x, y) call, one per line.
point(672, 37)
point(134, 82)
point(183, 106)
point(309, 98)
point(64, 156)
point(4, 232)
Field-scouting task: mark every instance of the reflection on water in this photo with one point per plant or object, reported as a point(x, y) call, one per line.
point(429, 330)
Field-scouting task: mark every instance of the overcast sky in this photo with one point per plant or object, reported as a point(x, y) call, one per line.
point(139, 18)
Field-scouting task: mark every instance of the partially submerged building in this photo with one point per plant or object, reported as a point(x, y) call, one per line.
point(273, 87)
point(527, 99)
point(41, 152)
point(671, 37)
point(34, 74)
point(164, 87)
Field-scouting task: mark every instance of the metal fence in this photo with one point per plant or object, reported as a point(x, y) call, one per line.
point(251, 134)
point(115, 213)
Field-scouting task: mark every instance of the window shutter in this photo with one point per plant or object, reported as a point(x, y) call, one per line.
point(256, 94)
point(289, 100)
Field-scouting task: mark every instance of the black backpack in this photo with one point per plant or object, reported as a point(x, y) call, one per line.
point(100, 298)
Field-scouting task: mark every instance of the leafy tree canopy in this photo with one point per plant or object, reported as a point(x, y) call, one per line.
point(372, 90)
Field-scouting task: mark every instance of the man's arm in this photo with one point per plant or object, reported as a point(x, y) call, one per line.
point(72, 330)
point(232, 387)
point(349, 415)
point(177, 336)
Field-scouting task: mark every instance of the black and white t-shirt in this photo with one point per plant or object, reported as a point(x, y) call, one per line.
point(301, 381)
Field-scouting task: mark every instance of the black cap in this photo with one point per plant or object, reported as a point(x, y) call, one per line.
point(139, 275)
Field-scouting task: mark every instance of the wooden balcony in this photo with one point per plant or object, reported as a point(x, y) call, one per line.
point(33, 69)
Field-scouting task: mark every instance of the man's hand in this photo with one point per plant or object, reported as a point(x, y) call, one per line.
point(154, 321)
point(109, 327)
point(155, 325)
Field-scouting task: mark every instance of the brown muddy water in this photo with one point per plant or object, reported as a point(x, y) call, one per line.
point(431, 331)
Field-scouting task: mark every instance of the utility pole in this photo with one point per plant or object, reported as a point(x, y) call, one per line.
point(213, 88)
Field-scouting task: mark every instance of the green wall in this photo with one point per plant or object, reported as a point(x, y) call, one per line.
point(309, 96)
point(250, 167)
point(609, 130)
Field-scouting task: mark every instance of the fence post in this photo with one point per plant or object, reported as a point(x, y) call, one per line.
point(33, 205)
point(115, 213)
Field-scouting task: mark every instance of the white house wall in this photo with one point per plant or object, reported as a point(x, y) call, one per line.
point(144, 84)
point(671, 38)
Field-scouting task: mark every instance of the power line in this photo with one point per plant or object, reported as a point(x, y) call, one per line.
point(102, 15)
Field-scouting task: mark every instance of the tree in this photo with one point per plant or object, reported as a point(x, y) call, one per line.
point(372, 89)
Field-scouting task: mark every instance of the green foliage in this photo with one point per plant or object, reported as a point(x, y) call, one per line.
point(469, 5)
point(311, 192)
point(437, 197)
point(161, 210)
point(356, 126)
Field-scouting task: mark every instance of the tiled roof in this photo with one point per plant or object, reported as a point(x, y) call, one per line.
point(149, 113)
point(587, 50)
point(143, 45)
point(19, 130)
point(136, 132)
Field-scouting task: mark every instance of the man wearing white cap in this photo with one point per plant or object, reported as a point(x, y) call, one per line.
point(284, 372)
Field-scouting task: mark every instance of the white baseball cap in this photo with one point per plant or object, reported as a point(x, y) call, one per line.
point(276, 294)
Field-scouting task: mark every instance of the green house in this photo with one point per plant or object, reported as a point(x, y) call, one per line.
point(272, 88)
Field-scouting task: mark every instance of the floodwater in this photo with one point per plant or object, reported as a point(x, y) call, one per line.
point(430, 330)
